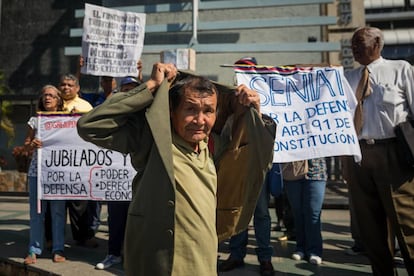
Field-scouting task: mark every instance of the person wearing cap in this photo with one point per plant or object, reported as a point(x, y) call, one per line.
point(165, 125)
point(247, 61)
point(129, 83)
point(261, 222)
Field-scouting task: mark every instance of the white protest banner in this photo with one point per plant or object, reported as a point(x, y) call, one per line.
point(112, 41)
point(71, 168)
point(313, 109)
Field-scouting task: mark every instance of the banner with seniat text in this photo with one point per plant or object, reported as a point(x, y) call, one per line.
point(312, 106)
point(71, 168)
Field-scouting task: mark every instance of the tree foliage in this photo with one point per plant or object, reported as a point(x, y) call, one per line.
point(6, 124)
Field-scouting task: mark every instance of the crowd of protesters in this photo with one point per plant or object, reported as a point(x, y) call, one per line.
point(381, 186)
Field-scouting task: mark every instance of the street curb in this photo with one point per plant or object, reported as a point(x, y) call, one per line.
point(17, 199)
point(10, 267)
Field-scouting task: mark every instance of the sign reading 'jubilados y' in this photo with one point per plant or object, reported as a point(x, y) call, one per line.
point(71, 168)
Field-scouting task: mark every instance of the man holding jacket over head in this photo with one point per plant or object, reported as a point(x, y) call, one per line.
point(165, 125)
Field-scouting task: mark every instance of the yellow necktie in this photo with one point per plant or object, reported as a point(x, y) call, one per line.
point(363, 91)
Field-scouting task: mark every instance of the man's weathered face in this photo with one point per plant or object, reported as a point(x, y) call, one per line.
point(68, 88)
point(195, 116)
point(365, 47)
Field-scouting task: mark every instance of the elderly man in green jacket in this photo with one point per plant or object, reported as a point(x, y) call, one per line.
point(193, 186)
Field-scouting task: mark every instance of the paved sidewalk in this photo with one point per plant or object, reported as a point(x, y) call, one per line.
point(14, 233)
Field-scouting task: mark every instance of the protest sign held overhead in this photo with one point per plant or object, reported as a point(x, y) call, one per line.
point(112, 41)
point(313, 108)
point(71, 168)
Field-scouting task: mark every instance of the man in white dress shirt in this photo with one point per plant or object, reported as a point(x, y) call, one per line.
point(383, 184)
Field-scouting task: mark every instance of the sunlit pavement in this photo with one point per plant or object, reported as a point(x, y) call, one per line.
point(14, 236)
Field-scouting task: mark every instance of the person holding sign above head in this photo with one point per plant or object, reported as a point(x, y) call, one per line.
point(50, 101)
point(382, 184)
point(117, 210)
point(107, 83)
point(178, 197)
point(109, 87)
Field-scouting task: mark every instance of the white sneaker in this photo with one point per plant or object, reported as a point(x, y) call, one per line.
point(109, 261)
point(316, 260)
point(298, 256)
point(398, 259)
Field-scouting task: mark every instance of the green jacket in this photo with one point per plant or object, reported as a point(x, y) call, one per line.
point(138, 123)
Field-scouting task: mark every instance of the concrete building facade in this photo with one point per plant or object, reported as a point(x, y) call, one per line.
point(40, 40)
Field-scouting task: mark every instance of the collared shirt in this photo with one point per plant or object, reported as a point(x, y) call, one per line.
point(79, 104)
point(392, 84)
point(195, 210)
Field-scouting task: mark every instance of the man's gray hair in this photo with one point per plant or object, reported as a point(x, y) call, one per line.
point(70, 77)
point(373, 33)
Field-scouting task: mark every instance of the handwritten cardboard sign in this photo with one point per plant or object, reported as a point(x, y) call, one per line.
point(71, 168)
point(112, 41)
